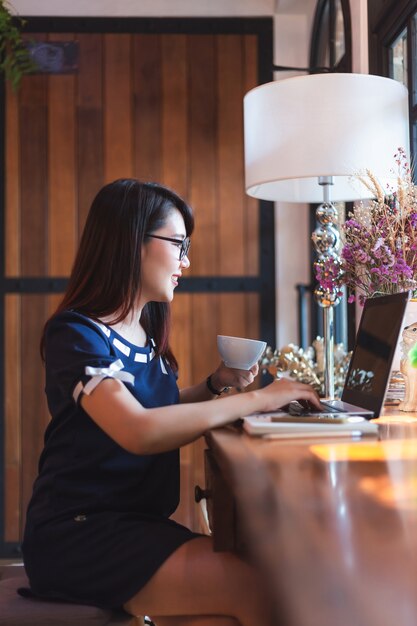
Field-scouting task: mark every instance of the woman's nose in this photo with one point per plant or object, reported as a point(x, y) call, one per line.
point(185, 262)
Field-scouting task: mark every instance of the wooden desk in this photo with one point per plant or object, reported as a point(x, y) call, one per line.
point(331, 525)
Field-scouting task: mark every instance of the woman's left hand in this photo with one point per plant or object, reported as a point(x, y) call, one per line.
point(228, 377)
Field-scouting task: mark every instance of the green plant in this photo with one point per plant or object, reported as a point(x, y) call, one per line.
point(15, 58)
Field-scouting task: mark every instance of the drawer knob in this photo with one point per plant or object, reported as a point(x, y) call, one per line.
point(199, 493)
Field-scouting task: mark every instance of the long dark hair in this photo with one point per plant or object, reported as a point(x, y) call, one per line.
point(105, 277)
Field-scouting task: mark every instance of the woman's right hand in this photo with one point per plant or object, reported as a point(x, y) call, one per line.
point(281, 392)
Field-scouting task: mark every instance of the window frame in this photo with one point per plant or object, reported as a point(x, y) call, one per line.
point(345, 63)
point(386, 23)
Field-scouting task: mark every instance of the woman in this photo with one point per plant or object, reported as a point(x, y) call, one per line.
point(98, 529)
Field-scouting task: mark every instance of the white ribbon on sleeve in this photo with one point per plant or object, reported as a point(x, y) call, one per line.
point(100, 373)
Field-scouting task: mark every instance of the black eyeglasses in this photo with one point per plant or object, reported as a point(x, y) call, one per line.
point(183, 244)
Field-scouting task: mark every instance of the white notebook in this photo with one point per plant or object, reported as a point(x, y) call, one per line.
point(280, 424)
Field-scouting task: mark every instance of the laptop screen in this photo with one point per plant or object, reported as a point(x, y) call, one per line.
point(376, 340)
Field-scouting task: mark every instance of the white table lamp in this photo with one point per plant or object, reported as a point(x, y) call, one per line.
point(308, 134)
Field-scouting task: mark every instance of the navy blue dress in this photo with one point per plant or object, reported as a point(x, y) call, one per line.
point(98, 524)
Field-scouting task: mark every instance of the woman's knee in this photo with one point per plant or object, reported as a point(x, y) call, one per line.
point(194, 580)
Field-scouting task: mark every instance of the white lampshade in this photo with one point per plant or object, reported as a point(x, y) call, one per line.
point(323, 125)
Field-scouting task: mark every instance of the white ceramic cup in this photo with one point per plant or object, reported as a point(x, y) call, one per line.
point(238, 352)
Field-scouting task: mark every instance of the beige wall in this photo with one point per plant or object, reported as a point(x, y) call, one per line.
point(292, 28)
point(359, 13)
point(166, 8)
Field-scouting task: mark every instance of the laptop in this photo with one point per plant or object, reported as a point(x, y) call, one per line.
point(370, 366)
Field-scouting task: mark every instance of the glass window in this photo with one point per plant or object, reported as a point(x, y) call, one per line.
point(339, 39)
point(414, 147)
point(331, 37)
point(323, 52)
point(398, 59)
point(414, 60)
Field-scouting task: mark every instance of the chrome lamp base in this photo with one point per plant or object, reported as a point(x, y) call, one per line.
point(326, 239)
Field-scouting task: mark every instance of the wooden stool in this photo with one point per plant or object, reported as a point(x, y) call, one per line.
point(18, 611)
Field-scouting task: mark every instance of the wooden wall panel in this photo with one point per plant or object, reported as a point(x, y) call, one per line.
point(33, 175)
point(118, 122)
point(90, 152)
point(175, 159)
point(62, 204)
point(203, 325)
point(251, 216)
point(158, 107)
point(147, 90)
point(12, 242)
point(181, 340)
point(203, 152)
point(12, 426)
point(232, 316)
point(253, 313)
point(52, 302)
point(230, 176)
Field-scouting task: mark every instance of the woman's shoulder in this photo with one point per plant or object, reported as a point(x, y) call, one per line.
point(75, 325)
point(70, 316)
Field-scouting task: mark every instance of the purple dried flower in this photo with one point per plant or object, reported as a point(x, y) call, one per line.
point(379, 254)
point(347, 254)
point(379, 242)
point(401, 267)
point(361, 256)
point(413, 220)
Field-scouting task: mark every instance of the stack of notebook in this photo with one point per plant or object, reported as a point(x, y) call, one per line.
point(281, 425)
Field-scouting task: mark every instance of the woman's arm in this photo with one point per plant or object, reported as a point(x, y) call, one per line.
point(221, 378)
point(149, 431)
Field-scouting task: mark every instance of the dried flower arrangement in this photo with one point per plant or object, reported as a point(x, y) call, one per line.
point(379, 254)
point(307, 366)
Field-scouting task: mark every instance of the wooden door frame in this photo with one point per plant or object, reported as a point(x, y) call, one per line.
point(263, 284)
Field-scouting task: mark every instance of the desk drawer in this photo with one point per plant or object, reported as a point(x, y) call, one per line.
point(221, 508)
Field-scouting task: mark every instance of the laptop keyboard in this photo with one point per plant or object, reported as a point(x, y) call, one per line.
point(327, 408)
point(297, 409)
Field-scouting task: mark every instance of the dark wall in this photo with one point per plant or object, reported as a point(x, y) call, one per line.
point(377, 8)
